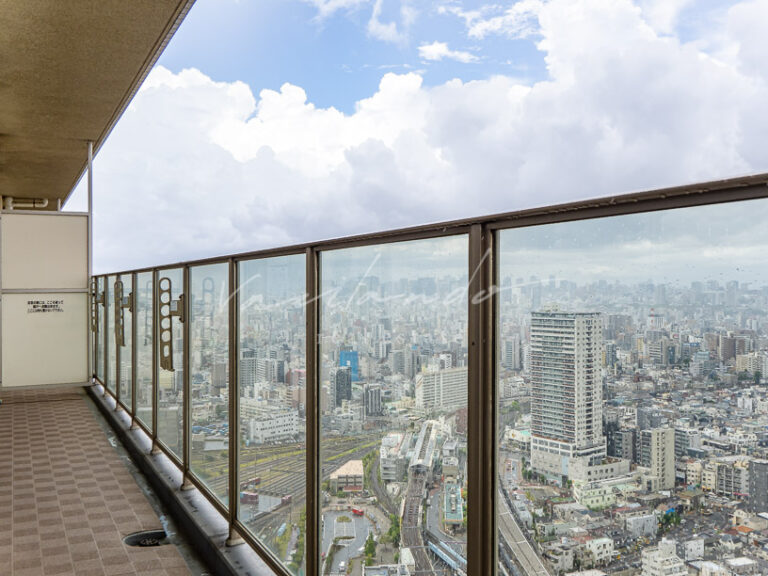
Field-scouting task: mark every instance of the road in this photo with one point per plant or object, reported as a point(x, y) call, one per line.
point(358, 528)
point(519, 547)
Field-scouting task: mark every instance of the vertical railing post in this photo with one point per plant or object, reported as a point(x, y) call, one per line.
point(105, 335)
point(155, 362)
point(481, 513)
point(134, 353)
point(186, 400)
point(312, 444)
point(234, 538)
point(118, 352)
point(92, 337)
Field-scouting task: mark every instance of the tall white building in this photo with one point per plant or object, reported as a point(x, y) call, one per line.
point(512, 353)
point(442, 389)
point(372, 400)
point(657, 452)
point(566, 390)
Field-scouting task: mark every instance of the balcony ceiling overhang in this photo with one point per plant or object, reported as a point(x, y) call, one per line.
point(68, 70)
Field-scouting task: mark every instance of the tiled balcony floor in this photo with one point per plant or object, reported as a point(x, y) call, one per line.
point(66, 498)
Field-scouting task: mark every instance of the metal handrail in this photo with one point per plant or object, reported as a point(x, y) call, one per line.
point(481, 235)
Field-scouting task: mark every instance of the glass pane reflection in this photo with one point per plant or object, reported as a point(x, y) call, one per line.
point(144, 338)
point(272, 388)
point(126, 350)
point(209, 376)
point(102, 312)
point(111, 373)
point(393, 400)
point(632, 353)
point(171, 382)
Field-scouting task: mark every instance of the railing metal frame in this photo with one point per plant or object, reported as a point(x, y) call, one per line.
point(483, 309)
point(134, 348)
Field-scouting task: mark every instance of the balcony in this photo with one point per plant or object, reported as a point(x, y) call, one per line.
point(176, 350)
point(254, 393)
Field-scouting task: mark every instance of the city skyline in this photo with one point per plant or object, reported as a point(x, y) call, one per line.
point(679, 339)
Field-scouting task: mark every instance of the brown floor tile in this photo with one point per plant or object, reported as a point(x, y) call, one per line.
point(28, 562)
point(28, 572)
point(85, 555)
point(67, 496)
point(58, 569)
point(143, 566)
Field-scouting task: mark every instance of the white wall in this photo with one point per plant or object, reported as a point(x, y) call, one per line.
point(44, 333)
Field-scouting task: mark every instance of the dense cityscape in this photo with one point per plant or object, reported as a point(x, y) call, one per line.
point(633, 418)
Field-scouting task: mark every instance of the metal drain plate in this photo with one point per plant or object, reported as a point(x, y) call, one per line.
point(146, 538)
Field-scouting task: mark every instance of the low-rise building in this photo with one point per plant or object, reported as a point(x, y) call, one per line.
point(582, 470)
point(594, 495)
point(741, 565)
point(560, 554)
point(598, 552)
point(692, 549)
point(451, 468)
point(640, 525)
point(274, 426)
point(693, 470)
point(453, 506)
point(348, 477)
point(663, 561)
point(393, 457)
point(705, 568)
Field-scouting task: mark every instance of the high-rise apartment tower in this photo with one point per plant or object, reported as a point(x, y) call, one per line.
point(566, 390)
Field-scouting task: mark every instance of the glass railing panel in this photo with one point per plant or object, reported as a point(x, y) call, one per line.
point(170, 349)
point(144, 339)
point(99, 350)
point(126, 350)
point(393, 402)
point(631, 394)
point(272, 391)
point(209, 376)
point(111, 373)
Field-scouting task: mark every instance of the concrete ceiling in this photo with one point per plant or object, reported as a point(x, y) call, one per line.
point(68, 69)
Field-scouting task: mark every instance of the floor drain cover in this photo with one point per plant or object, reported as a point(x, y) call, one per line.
point(146, 538)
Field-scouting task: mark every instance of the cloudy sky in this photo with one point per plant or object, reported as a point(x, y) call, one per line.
point(280, 121)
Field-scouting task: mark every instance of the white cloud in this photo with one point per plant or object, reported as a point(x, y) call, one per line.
point(327, 8)
point(439, 50)
point(197, 167)
point(390, 31)
point(663, 15)
point(746, 30)
point(520, 20)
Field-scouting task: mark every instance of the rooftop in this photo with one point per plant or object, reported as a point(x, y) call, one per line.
point(351, 468)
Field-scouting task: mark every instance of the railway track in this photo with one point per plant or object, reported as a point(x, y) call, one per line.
point(410, 527)
point(284, 475)
point(520, 548)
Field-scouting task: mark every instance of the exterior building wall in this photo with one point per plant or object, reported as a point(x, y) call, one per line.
point(441, 389)
point(663, 561)
point(274, 426)
point(758, 486)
